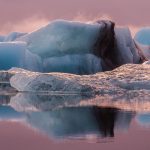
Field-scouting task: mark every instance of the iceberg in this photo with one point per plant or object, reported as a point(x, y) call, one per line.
point(147, 62)
point(76, 64)
point(127, 77)
point(143, 36)
point(2, 38)
point(71, 47)
point(15, 54)
point(142, 39)
point(62, 37)
point(127, 51)
point(11, 54)
point(13, 36)
point(103, 39)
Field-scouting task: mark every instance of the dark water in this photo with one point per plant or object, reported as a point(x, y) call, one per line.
point(31, 124)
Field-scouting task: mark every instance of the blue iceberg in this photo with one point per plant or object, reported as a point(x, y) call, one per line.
point(71, 47)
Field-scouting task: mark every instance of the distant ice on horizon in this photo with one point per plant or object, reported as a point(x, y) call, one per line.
point(143, 36)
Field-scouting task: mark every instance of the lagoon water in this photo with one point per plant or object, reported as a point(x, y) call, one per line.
point(30, 124)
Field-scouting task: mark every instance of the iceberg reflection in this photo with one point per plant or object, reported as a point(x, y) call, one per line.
point(65, 122)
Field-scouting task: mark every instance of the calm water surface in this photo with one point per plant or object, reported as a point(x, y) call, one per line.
point(26, 124)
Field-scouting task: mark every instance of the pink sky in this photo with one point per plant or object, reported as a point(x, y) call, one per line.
point(27, 15)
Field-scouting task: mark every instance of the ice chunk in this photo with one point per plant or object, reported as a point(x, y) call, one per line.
point(62, 83)
point(147, 62)
point(13, 36)
point(66, 46)
point(2, 38)
point(127, 77)
point(77, 64)
point(15, 54)
point(145, 50)
point(142, 39)
point(62, 37)
point(127, 51)
point(32, 62)
point(12, 55)
point(143, 36)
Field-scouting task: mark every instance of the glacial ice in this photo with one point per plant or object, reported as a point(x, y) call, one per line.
point(77, 64)
point(127, 87)
point(2, 38)
point(61, 43)
point(126, 46)
point(61, 37)
point(142, 39)
point(15, 54)
point(65, 46)
point(143, 36)
point(13, 36)
point(145, 49)
point(45, 100)
point(126, 77)
point(11, 54)
point(147, 62)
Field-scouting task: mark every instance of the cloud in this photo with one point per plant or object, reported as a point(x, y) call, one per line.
point(26, 25)
point(89, 18)
point(35, 22)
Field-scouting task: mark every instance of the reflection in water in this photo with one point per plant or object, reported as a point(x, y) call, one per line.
point(79, 122)
point(65, 122)
point(106, 118)
point(144, 119)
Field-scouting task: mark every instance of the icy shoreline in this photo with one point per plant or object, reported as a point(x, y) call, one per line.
point(125, 78)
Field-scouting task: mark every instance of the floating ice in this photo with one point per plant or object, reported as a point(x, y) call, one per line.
point(143, 36)
point(126, 77)
point(62, 37)
point(2, 38)
point(53, 42)
point(127, 51)
point(13, 36)
point(15, 54)
point(71, 47)
point(77, 64)
point(147, 62)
